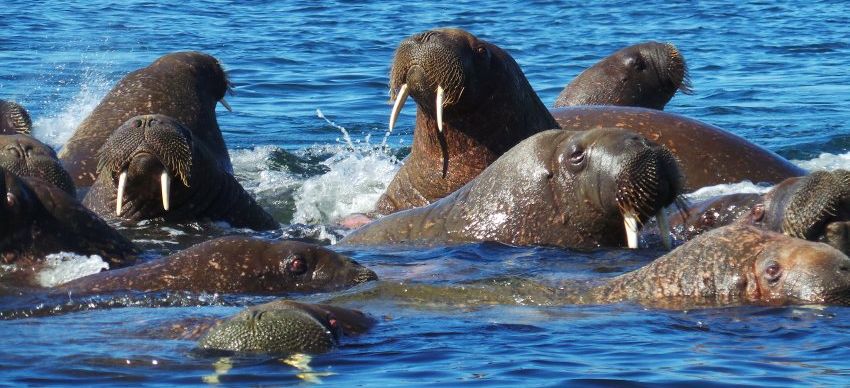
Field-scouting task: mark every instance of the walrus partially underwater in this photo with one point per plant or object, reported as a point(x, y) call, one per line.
point(25, 156)
point(561, 188)
point(14, 119)
point(183, 85)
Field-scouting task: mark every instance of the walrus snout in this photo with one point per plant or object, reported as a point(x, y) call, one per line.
point(801, 272)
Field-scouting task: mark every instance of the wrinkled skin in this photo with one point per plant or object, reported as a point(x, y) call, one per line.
point(286, 327)
point(736, 264)
point(14, 119)
point(557, 188)
point(707, 155)
point(147, 146)
point(815, 208)
point(37, 219)
point(644, 75)
point(488, 108)
point(183, 85)
point(25, 156)
point(234, 264)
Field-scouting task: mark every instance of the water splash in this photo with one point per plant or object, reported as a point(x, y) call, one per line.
point(826, 161)
point(63, 267)
point(732, 188)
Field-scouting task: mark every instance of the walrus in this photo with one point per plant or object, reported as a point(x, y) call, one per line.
point(232, 264)
point(182, 85)
point(25, 156)
point(473, 104)
point(37, 219)
point(707, 155)
point(556, 188)
point(643, 75)
point(14, 119)
point(728, 266)
point(154, 167)
point(286, 327)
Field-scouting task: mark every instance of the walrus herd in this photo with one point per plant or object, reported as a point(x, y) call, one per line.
point(489, 162)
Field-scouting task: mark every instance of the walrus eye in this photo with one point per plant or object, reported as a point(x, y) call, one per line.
point(773, 272)
point(14, 152)
point(577, 155)
point(295, 265)
point(758, 212)
point(481, 50)
point(332, 321)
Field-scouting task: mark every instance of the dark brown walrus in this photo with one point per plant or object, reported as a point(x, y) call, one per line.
point(25, 156)
point(37, 219)
point(141, 159)
point(234, 264)
point(707, 155)
point(475, 108)
point(184, 85)
point(14, 119)
point(558, 188)
point(644, 75)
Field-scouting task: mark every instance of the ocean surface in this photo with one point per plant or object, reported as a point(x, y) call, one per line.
point(308, 137)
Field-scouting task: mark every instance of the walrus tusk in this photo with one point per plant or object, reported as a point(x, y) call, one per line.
point(399, 103)
point(165, 181)
point(664, 229)
point(631, 223)
point(225, 105)
point(119, 199)
point(439, 105)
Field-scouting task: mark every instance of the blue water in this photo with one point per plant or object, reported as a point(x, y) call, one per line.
point(775, 73)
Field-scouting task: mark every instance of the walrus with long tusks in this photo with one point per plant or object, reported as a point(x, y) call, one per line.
point(183, 85)
point(560, 188)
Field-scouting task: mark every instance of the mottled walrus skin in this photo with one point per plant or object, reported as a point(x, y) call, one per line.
point(487, 107)
point(234, 264)
point(37, 219)
point(183, 85)
point(286, 327)
point(153, 148)
point(14, 119)
point(557, 188)
point(25, 156)
point(644, 75)
point(734, 265)
point(707, 155)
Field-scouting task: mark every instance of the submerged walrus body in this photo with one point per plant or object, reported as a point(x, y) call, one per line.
point(558, 188)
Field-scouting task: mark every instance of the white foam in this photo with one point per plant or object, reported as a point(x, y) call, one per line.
point(63, 267)
point(825, 161)
point(732, 188)
point(56, 129)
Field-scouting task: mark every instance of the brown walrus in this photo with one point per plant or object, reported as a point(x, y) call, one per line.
point(558, 188)
point(707, 155)
point(141, 159)
point(37, 219)
point(644, 75)
point(183, 85)
point(286, 327)
point(25, 156)
point(473, 104)
point(14, 119)
point(233, 264)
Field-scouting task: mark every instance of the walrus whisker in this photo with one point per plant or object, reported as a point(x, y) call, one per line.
point(401, 97)
point(119, 200)
point(439, 106)
point(165, 182)
point(225, 104)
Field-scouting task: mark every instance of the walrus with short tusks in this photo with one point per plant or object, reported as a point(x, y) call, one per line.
point(25, 156)
point(643, 75)
point(14, 119)
point(285, 327)
point(154, 167)
point(559, 188)
point(183, 85)
point(473, 104)
point(233, 264)
point(707, 155)
point(37, 219)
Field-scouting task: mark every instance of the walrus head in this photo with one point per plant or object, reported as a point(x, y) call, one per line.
point(311, 268)
point(814, 207)
point(142, 158)
point(622, 176)
point(645, 75)
point(23, 155)
point(462, 81)
point(279, 327)
point(204, 70)
point(14, 118)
